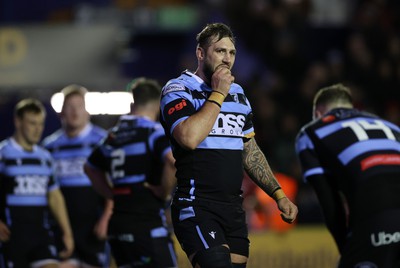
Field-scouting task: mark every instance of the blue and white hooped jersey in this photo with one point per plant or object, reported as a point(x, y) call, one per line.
point(347, 143)
point(70, 154)
point(26, 179)
point(214, 169)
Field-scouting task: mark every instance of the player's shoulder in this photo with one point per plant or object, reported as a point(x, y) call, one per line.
point(310, 126)
point(157, 127)
point(52, 138)
point(4, 144)
point(99, 131)
point(236, 88)
point(173, 85)
point(186, 82)
point(150, 124)
point(43, 151)
point(300, 133)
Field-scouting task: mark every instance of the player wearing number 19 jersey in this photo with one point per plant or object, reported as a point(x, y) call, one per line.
point(352, 159)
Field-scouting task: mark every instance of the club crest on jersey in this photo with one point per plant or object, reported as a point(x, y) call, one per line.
point(173, 88)
point(235, 97)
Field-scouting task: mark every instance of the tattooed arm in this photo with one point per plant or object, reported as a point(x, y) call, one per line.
point(258, 169)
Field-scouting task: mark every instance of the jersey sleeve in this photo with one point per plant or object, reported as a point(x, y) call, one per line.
point(308, 157)
point(176, 105)
point(97, 159)
point(53, 182)
point(159, 144)
point(248, 128)
point(1, 163)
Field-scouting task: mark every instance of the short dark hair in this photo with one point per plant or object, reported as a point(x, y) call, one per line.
point(28, 105)
point(144, 90)
point(332, 94)
point(219, 30)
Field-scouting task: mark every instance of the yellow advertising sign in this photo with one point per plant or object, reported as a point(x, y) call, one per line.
point(301, 247)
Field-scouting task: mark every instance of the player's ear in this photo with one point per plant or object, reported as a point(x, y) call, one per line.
point(317, 114)
point(200, 53)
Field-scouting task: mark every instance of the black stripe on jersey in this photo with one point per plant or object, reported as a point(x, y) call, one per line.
point(140, 166)
point(159, 145)
point(121, 137)
point(224, 136)
point(236, 97)
point(198, 95)
point(71, 147)
point(25, 161)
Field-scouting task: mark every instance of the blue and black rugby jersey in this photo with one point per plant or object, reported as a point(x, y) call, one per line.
point(357, 151)
point(69, 155)
point(25, 180)
point(214, 170)
point(132, 154)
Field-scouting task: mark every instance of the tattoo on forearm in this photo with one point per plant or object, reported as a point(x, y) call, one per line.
point(257, 167)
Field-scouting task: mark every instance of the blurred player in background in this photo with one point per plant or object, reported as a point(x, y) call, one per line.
point(70, 146)
point(27, 191)
point(352, 160)
point(137, 158)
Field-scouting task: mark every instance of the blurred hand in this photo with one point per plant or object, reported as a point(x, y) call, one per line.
point(101, 227)
point(158, 191)
point(69, 246)
point(4, 232)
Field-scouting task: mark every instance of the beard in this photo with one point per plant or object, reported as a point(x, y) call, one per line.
point(208, 71)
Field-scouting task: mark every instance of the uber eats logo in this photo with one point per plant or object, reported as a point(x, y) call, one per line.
point(31, 184)
point(13, 46)
point(229, 125)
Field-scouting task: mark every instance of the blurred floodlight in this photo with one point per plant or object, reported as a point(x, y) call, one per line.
point(113, 103)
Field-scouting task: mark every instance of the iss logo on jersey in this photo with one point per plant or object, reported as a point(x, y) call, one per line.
point(229, 125)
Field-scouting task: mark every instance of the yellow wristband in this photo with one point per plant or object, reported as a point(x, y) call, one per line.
point(216, 103)
point(219, 92)
point(217, 97)
point(278, 194)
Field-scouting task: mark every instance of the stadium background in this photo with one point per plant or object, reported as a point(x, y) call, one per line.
point(287, 49)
